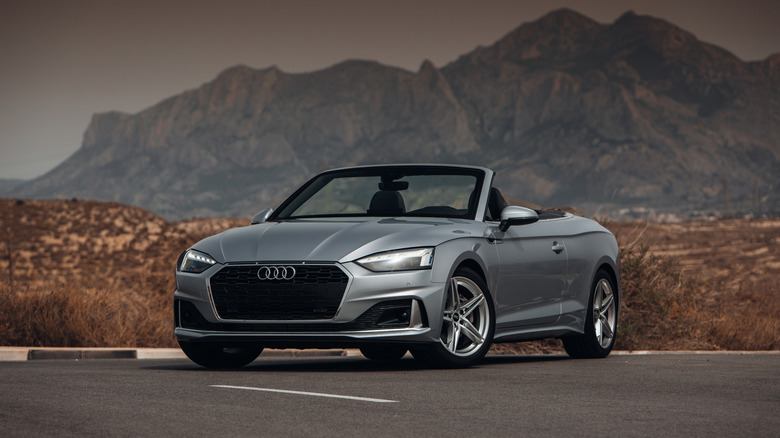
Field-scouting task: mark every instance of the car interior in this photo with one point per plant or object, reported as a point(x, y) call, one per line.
point(391, 203)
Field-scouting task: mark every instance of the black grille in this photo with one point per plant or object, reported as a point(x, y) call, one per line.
point(314, 293)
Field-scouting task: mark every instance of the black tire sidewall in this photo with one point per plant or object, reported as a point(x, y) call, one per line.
point(383, 352)
point(212, 355)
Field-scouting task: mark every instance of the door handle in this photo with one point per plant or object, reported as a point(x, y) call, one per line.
point(558, 247)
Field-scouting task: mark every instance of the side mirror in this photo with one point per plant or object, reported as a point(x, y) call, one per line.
point(513, 215)
point(262, 216)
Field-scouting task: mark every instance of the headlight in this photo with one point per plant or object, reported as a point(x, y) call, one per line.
point(195, 262)
point(404, 260)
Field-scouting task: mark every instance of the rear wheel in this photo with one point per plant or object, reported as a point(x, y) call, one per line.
point(600, 322)
point(383, 352)
point(468, 324)
point(217, 355)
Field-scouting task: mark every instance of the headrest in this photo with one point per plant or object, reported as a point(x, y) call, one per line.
point(386, 203)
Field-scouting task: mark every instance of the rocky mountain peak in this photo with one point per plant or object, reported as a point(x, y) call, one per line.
point(102, 128)
point(432, 75)
point(427, 68)
point(567, 110)
point(658, 35)
point(563, 20)
point(772, 63)
point(239, 70)
point(556, 35)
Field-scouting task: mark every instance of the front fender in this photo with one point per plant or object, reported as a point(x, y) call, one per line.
point(450, 255)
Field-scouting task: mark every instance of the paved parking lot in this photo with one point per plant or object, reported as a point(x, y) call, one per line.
point(623, 395)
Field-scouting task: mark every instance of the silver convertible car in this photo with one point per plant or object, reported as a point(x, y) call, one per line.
point(388, 259)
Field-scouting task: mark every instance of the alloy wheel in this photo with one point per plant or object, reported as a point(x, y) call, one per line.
point(466, 317)
point(604, 313)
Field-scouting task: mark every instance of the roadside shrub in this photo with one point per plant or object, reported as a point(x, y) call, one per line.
point(73, 315)
point(659, 310)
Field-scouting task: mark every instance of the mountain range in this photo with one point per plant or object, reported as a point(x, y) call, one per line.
point(567, 110)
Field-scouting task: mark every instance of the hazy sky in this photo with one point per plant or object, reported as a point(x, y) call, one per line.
point(63, 60)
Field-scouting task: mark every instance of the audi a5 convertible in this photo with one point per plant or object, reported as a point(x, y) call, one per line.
point(427, 259)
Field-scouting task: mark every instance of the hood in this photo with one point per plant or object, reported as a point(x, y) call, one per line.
point(330, 241)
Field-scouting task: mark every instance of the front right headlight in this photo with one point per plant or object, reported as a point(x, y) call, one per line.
point(404, 260)
point(195, 262)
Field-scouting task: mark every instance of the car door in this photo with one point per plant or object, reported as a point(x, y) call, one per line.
point(532, 274)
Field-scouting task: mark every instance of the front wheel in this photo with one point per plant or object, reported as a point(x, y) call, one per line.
point(600, 323)
point(216, 355)
point(468, 324)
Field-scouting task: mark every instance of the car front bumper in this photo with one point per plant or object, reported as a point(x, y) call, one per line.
point(389, 307)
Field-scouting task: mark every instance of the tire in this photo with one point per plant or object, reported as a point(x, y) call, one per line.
point(601, 321)
point(468, 324)
point(216, 355)
point(383, 352)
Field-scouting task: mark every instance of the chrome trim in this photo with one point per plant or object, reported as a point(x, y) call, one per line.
point(360, 334)
point(415, 319)
point(273, 272)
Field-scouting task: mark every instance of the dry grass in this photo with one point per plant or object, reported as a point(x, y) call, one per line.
point(749, 321)
point(86, 274)
point(90, 274)
point(72, 315)
point(700, 285)
point(659, 309)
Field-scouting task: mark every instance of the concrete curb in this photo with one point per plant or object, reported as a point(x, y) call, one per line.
point(701, 352)
point(15, 354)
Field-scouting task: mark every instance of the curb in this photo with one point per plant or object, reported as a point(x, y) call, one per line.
point(16, 354)
point(695, 352)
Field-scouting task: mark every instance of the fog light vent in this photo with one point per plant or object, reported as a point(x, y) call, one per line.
point(396, 314)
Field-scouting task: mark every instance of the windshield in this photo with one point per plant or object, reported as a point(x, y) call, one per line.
point(387, 192)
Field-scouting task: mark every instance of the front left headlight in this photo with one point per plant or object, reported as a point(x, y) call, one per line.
point(404, 260)
point(195, 262)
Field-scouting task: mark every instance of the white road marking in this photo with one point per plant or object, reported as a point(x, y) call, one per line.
point(315, 394)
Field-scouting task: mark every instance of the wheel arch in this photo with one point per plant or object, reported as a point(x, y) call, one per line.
point(612, 270)
point(463, 252)
point(474, 266)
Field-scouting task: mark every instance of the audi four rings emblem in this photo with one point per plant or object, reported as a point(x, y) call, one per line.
point(276, 273)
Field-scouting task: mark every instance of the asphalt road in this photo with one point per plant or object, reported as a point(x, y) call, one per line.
point(634, 395)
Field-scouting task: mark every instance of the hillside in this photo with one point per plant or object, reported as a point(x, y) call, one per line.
point(65, 242)
point(92, 274)
point(569, 111)
point(8, 184)
point(87, 273)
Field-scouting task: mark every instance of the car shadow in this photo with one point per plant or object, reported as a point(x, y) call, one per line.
point(351, 364)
